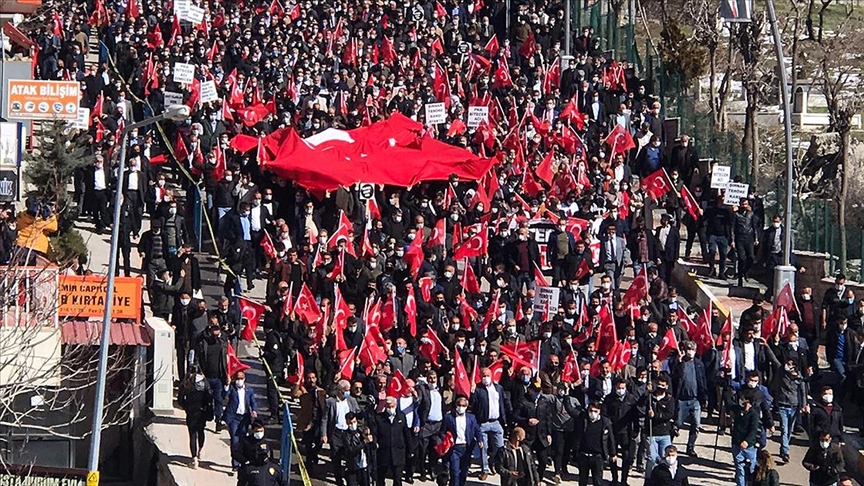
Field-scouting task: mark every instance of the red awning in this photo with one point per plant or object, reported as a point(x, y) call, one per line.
point(90, 332)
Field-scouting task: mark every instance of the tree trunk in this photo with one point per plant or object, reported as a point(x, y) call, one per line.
point(712, 85)
point(750, 142)
point(841, 201)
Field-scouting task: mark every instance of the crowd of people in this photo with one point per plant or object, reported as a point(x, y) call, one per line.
point(408, 346)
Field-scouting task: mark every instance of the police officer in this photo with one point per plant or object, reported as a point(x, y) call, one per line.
point(248, 448)
point(261, 471)
point(273, 354)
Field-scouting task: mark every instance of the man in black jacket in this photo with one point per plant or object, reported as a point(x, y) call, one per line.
point(719, 230)
point(212, 356)
point(522, 255)
point(535, 415)
point(620, 407)
point(691, 390)
point(670, 472)
point(181, 321)
point(745, 238)
point(273, 354)
point(391, 432)
point(669, 244)
point(659, 409)
point(596, 446)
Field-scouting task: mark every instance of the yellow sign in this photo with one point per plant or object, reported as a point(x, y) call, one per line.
point(84, 296)
point(93, 478)
point(43, 100)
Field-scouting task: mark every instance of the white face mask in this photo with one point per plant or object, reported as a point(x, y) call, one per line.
point(461, 410)
point(607, 285)
point(229, 178)
point(672, 460)
point(828, 398)
point(185, 302)
point(486, 381)
point(258, 435)
point(752, 384)
point(547, 335)
point(448, 274)
point(806, 297)
point(620, 391)
point(239, 383)
point(824, 445)
point(352, 426)
point(391, 412)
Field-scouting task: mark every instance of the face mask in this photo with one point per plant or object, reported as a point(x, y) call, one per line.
point(607, 286)
point(229, 178)
point(742, 403)
point(827, 398)
point(161, 183)
point(185, 302)
point(258, 435)
point(172, 211)
point(620, 392)
point(352, 426)
point(486, 381)
point(239, 383)
point(454, 216)
point(843, 328)
point(346, 394)
point(461, 410)
point(399, 253)
point(511, 330)
point(523, 238)
point(806, 297)
point(824, 445)
point(448, 274)
point(594, 416)
point(398, 219)
point(794, 345)
point(322, 240)
point(352, 328)
point(547, 335)
point(411, 236)
point(789, 368)
point(643, 380)
point(501, 283)
point(672, 460)
point(400, 349)
point(391, 412)
point(752, 384)
point(456, 328)
point(460, 345)
point(526, 379)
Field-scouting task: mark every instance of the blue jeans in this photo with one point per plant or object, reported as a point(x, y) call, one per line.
point(218, 391)
point(493, 439)
point(637, 267)
point(690, 411)
point(788, 417)
point(741, 456)
point(656, 448)
point(840, 368)
point(460, 461)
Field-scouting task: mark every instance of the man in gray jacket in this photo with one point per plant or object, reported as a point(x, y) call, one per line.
point(790, 392)
point(334, 425)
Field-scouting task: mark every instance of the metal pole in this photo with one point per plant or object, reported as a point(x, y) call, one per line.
point(567, 26)
point(102, 370)
point(785, 273)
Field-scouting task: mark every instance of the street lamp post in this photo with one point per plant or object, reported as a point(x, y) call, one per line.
point(785, 273)
point(173, 113)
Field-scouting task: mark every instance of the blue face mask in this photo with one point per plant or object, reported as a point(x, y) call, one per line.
point(400, 349)
point(851, 301)
point(526, 379)
point(346, 394)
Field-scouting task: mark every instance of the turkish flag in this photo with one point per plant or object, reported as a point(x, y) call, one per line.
point(687, 324)
point(607, 334)
point(492, 46)
point(252, 312)
point(529, 47)
point(690, 203)
point(371, 353)
point(539, 278)
point(388, 53)
point(234, 363)
point(461, 382)
point(502, 78)
point(530, 184)
point(346, 363)
point(295, 12)
point(776, 323)
point(468, 314)
point(340, 317)
point(431, 346)
point(524, 354)
point(342, 233)
point(306, 308)
point(411, 311)
point(657, 184)
point(374, 210)
point(300, 370)
point(366, 248)
point(426, 286)
point(620, 140)
point(552, 78)
point(267, 245)
point(570, 371)
point(491, 312)
point(582, 270)
point(469, 280)
point(443, 447)
point(398, 386)
point(544, 170)
point(571, 113)
point(497, 369)
point(439, 10)
point(441, 86)
point(596, 368)
point(181, 152)
point(373, 313)
point(726, 329)
point(252, 115)
point(638, 288)
point(786, 299)
point(621, 355)
point(703, 338)
point(288, 302)
point(457, 127)
point(474, 246)
point(276, 9)
point(388, 313)
point(667, 345)
point(438, 236)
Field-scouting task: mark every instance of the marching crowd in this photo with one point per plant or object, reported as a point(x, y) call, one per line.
point(414, 325)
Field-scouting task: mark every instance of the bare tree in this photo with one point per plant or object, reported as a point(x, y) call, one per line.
point(836, 59)
point(756, 82)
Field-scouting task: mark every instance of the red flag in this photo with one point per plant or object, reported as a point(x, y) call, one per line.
point(340, 317)
point(411, 311)
point(441, 85)
point(607, 334)
point(297, 377)
point(492, 46)
point(276, 9)
point(491, 312)
point(461, 382)
point(622, 354)
point(252, 311)
point(497, 369)
point(436, 47)
point(374, 210)
point(529, 47)
point(544, 170)
point(342, 232)
point(469, 280)
point(288, 303)
point(502, 80)
point(582, 270)
point(473, 246)
point(438, 236)
point(457, 127)
point(523, 354)
point(371, 353)
point(703, 337)
point(443, 447)
point(431, 346)
point(570, 371)
point(552, 79)
point(726, 329)
point(346, 363)
point(295, 12)
point(539, 278)
point(776, 323)
point(667, 345)
point(181, 152)
point(305, 307)
point(687, 324)
point(234, 363)
point(398, 386)
point(388, 313)
point(786, 299)
point(690, 203)
point(414, 257)
point(620, 140)
point(267, 245)
point(426, 286)
point(439, 10)
point(638, 288)
point(468, 314)
point(388, 54)
point(657, 184)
